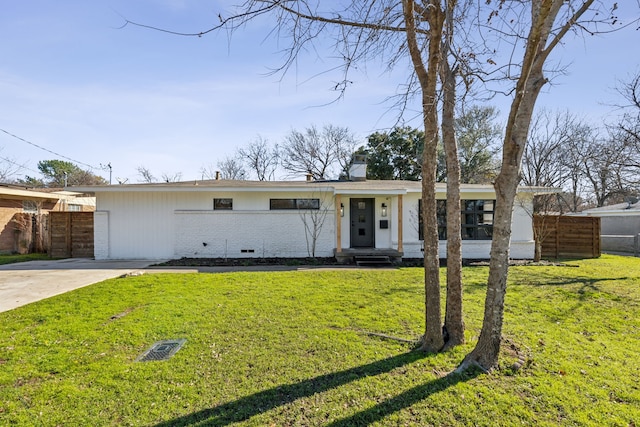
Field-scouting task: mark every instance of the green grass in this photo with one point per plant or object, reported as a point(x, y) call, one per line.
point(295, 349)
point(10, 259)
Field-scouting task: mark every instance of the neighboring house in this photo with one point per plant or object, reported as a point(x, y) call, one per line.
point(22, 213)
point(266, 219)
point(619, 227)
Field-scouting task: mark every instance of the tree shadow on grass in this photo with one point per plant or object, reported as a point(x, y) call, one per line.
point(246, 407)
point(404, 400)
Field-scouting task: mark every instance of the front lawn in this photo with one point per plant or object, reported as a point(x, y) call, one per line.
point(11, 259)
point(317, 347)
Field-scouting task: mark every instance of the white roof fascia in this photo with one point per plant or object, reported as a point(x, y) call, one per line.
point(616, 212)
point(361, 192)
point(539, 190)
point(12, 192)
point(201, 188)
point(342, 188)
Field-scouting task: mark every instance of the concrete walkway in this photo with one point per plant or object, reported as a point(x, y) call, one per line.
point(25, 282)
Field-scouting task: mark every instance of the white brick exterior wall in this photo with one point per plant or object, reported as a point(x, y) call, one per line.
point(101, 235)
point(249, 234)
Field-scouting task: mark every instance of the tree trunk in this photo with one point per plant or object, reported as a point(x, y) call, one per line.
point(544, 12)
point(453, 319)
point(433, 340)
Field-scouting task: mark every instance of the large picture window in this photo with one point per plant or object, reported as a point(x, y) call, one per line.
point(276, 204)
point(476, 218)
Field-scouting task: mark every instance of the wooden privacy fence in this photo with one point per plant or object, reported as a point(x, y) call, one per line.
point(71, 234)
point(568, 236)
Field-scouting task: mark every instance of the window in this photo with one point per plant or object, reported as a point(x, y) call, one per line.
point(30, 206)
point(276, 204)
point(74, 208)
point(222, 204)
point(476, 219)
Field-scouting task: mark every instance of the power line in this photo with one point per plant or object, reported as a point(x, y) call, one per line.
point(47, 150)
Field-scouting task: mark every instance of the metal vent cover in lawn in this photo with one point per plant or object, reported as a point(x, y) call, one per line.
point(161, 350)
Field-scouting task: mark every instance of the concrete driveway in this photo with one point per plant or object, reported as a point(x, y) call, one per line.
point(26, 282)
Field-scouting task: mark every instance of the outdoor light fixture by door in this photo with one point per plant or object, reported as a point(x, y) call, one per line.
point(383, 212)
point(341, 209)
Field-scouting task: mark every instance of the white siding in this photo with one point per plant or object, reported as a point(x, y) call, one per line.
point(140, 224)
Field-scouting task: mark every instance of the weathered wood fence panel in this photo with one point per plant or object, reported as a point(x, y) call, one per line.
point(568, 236)
point(71, 234)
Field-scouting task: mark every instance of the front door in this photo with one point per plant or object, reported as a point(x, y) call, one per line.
point(362, 223)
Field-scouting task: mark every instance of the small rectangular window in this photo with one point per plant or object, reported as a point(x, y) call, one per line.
point(222, 204)
point(277, 204)
point(74, 208)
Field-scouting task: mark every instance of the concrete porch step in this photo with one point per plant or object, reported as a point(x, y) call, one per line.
point(373, 261)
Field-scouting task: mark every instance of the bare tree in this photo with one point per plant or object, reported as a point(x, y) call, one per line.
point(171, 177)
point(630, 121)
point(550, 21)
point(9, 169)
point(453, 318)
point(434, 16)
point(554, 157)
point(608, 167)
point(261, 158)
point(231, 167)
point(322, 153)
point(313, 218)
point(145, 175)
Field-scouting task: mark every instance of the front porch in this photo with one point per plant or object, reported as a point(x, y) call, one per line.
point(367, 255)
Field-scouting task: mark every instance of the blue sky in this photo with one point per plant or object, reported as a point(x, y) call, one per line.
point(74, 83)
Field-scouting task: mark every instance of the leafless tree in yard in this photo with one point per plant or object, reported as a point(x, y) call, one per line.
point(548, 22)
point(608, 167)
point(323, 153)
point(229, 167)
point(453, 318)
point(171, 177)
point(313, 218)
point(630, 121)
point(9, 169)
point(261, 158)
point(145, 175)
point(554, 157)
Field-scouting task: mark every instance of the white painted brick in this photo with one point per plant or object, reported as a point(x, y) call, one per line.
point(234, 234)
point(101, 235)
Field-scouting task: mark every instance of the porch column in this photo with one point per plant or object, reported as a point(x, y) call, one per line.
point(338, 224)
point(400, 249)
